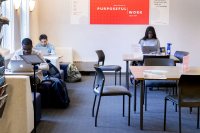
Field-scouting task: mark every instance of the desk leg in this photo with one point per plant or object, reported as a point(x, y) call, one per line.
point(135, 95)
point(127, 75)
point(141, 104)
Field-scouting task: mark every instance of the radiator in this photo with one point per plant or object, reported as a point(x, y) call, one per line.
point(85, 65)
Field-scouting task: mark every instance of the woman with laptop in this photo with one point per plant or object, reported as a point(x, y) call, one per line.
point(150, 43)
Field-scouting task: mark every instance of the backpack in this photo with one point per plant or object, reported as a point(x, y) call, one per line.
point(73, 75)
point(53, 90)
point(54, 93)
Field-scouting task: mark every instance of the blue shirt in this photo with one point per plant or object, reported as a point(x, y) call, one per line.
point(49, 47)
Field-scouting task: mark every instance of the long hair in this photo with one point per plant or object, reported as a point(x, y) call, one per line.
point(150, 28)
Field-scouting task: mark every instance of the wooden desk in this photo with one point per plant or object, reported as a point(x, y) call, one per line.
point(9, 72)
point(132, 57)
point(18, 115)
point(173, 73)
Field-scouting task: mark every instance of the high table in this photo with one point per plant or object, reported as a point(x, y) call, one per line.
point(172, 73)
point(133, 57)
point(18, 115)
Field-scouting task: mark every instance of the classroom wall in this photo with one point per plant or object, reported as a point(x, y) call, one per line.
point(183, 31)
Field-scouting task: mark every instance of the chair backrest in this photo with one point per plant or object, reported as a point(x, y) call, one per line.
point(100, 79)
point(180, 55)
point(158, 62)
point(189, 87)
point(101, 57)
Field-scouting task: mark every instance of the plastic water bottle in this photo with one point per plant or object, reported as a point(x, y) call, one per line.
point(169, 48)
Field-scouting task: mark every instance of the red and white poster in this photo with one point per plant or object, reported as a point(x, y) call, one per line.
point(119, 11)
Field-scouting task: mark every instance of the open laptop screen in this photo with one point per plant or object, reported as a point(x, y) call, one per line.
point(149, 49)
point(20, 66)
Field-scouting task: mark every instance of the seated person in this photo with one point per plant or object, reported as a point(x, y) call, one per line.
point(27, 50)
point(150, 41)
point(149, 44)
point(44, 45)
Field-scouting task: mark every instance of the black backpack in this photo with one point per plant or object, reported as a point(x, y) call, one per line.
point(54, 93)
point(53, 89)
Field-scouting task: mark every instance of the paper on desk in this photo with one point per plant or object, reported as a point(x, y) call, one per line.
point(154, 74)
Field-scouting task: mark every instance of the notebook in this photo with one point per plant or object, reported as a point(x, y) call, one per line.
point(149, 50)
point(20, 66)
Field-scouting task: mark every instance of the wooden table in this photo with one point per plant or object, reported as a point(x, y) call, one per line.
point(132, 57)
point(172, 73)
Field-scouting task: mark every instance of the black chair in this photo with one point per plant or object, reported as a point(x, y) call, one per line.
point(115, 68)
point(180, 55)
point(158, 83)
point(188, 96)
point(101, 90)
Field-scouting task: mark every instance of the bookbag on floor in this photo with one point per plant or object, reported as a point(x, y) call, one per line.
point(54, 93)
point(73, 75)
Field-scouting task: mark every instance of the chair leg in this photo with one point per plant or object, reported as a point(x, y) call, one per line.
point(123, 104)
point(197, 117)
point(175, 107)
point(97, 111)
point(115, 77)
point(94, 79)
point(179, 110)
point(145, 98)
point(135, 95)
point(129, 110)
point(165, 111)
point(190, 110)
point(120, 77)
point(94, 105)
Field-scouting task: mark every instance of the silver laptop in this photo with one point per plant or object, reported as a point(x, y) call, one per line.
point(44, 50)
point(20, 66)
point(149, 50)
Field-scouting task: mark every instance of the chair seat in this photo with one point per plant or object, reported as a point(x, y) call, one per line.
point(110, 68)
point(115, 90)
point(160, 83)
point(186, 102)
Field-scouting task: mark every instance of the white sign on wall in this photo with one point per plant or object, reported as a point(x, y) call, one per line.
point(79, 12)
point(159, 12)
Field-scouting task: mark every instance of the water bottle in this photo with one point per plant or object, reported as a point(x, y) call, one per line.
point(169, 48)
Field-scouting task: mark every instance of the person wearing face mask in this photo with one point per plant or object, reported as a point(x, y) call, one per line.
point(44, 44)
point(150, 39)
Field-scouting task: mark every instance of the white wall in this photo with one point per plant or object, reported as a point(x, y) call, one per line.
point(183, 31)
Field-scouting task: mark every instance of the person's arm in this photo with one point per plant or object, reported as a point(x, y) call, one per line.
point(42, 66)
